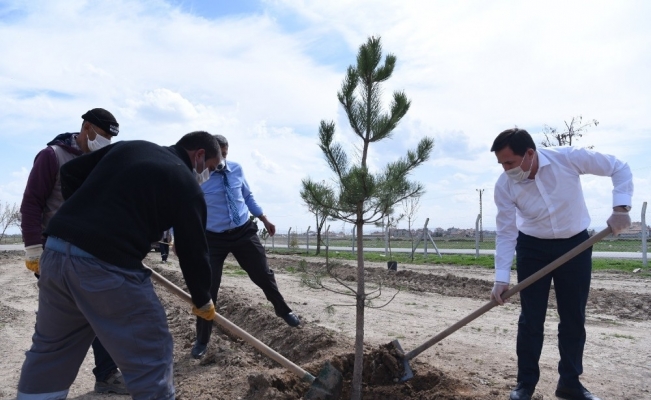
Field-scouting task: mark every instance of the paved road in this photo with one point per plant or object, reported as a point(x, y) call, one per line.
point(595, 254)
point(12, 247)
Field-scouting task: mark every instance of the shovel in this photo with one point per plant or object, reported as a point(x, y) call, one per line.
point(326, 386)
point(486, 307)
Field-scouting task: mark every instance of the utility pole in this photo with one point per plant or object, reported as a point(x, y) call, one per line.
point(481, 228)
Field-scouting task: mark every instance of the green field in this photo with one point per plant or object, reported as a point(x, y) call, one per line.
point(599, 264)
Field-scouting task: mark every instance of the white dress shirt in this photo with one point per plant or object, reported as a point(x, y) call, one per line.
point(551, 206)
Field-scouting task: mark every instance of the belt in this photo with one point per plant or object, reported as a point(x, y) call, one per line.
point(557, 240)
point(61, 246)
point(231, 231)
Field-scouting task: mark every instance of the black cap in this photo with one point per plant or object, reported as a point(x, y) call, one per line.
point(103, 120)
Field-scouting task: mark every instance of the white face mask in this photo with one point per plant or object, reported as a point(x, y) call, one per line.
point(517, 174)
point(98, 143)
point(204, 175)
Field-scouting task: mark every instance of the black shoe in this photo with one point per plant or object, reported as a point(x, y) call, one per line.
point(199, 350)
point(291, 319)
point(113, 383)
point(522, 391)
point(579, 393)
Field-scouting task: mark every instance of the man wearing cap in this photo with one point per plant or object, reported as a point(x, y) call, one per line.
point(41, 200)
point(93, 282)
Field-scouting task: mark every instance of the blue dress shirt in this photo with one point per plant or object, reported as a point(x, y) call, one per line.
point(219, 219)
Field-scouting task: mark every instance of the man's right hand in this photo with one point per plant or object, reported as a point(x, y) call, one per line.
point(206, 312)
point(498, 289)
point(33, 257)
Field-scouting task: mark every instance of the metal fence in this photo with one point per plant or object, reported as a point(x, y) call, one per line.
point(423, 239)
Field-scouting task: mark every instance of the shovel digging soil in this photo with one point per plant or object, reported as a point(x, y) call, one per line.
point(327, 385)
point(408, 374)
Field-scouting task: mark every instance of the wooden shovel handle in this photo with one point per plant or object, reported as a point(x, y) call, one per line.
point(237, 331)
point(515, 289)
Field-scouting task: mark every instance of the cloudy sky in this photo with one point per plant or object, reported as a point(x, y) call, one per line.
point(265, 73)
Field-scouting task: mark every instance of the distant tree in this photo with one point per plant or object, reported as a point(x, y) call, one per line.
point(410, 207)
point(264, 235)
point(9, 216)
point(574, 130)
point(392, 222)
point(320, 212)
point(360, 196)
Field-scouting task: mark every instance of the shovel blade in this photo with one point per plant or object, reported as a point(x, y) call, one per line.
point(327, 385)
point(405, 363)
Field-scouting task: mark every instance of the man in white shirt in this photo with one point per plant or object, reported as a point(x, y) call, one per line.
point(541, 215)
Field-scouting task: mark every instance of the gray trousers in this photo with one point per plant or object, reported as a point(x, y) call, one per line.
point(81, 296)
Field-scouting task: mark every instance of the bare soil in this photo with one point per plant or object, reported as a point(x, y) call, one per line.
point(476, 362)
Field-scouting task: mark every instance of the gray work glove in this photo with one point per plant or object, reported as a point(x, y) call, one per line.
point(619, 221)
point(498, 289)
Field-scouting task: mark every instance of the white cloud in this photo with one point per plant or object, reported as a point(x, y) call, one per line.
point(266, 80)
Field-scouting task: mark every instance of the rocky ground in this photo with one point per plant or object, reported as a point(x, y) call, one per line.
point(477, 362)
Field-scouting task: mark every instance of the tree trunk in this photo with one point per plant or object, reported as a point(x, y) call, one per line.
point(318, 241)
point(356, 392)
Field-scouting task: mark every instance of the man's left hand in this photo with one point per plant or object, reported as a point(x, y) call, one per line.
point(206, 312)
point(498, 289)
point(271, 228)
point(619, 221)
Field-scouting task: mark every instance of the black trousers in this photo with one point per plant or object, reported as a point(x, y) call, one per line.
point(104, 364)
point(244, 244)
point(572, 285)
point(164, 249)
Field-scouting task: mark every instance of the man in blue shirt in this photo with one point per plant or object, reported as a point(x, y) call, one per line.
point(229, 230)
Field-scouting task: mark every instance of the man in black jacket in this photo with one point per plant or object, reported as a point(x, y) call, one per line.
point(92, 278)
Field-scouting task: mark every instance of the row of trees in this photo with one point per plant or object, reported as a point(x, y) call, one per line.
point(573, 131)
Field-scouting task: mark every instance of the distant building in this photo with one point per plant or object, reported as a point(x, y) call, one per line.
point(635, 230)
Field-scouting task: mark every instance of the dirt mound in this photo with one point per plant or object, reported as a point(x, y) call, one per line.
point(383, 369)
point(625, 305)
point(232, 369)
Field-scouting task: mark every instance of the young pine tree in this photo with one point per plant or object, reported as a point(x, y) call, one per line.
point(360, 196)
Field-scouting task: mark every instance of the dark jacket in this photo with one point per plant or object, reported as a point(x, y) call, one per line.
point(42, 196)
point(117, 205)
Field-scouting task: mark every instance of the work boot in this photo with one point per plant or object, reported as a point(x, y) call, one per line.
point(114, 383)
point(199, 350)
